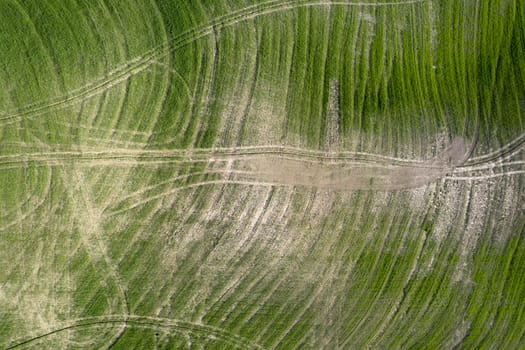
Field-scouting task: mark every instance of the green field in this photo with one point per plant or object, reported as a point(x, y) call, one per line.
point(277, 174)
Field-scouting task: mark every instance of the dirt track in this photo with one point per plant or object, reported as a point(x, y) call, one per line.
point(350, 175)
point(289, 167)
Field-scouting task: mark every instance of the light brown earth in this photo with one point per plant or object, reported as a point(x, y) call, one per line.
point(282, 170)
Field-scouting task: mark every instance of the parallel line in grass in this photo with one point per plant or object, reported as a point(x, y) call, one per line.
point(361, 204)
point(518, 293)
point(187, 266)
point(122, 45)
point(241, 300)
point(298, 314)
point(141, 302)
point(393, 315)
point(348, 73)
point(156, 323)
point(215, 313)
point(328, 307)
point(42, 199)
point(139, 64)
point(301, 71)
point(200, 91)
point(347, 248)
point(91, 228)
point(249, 252)
point(387, 322)
point(214, 156)
point(327, 274)
point(371, 227)
point(253, 84)
point(203, 136)
point(262, 330)
point(440, 334)
point(191, 222)
point(245, 316)
point(117, 30)
point(250, 313)
point(147, 218)
point(414, 291)
point(491, 284)
point(499, 163)
point(30, 195)
point(321, 126)
point(505, 277)
point(493, 168)
point(49, 57)
point(365, 223)
point(295, 314)
point(417, 82)
point(427, 308)
point(433, 81)
point(115, 114)
point(288, 75)
point(252, 286)
point(508, 149)
point(373, 274)
point(176, 74)
point(502, 313)
point(362, 73)
point(113, 102)
point(440, 291)
point(207, 250)
point(186, 220)
point(475, 178)
point(233, 104)
point(249, 309)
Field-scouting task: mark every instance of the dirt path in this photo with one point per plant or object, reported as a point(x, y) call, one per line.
point(280, 166)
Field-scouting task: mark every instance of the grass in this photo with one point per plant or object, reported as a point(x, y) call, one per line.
point(166, 245)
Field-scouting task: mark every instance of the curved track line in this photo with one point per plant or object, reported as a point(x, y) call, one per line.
point(506, 151)
point(368, 179)
point(38, 204)
point(194, 185)
point(485, 177)
point(174, 325)
point(89, 223)
point(175, 73)
point(490, 166)
point(27, 199)
point(209, 155)
point(141, 63)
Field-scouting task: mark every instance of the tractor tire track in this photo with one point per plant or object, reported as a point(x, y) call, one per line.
point(208, 155)
point(506, 151)
point(141, 63)
point(36, 201)
point(292, 169)
point(157, 323)
point(485, 177)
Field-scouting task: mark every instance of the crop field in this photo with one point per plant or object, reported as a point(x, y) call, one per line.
point(271, 174)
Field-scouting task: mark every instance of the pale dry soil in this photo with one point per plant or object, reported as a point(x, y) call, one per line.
point(279, 170)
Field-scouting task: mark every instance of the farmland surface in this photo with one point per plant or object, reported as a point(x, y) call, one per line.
point(272, 174)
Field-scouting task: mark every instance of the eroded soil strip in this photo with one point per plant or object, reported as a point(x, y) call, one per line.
point(299, 168)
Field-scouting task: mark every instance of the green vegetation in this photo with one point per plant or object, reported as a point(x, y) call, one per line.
point(172, 174)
